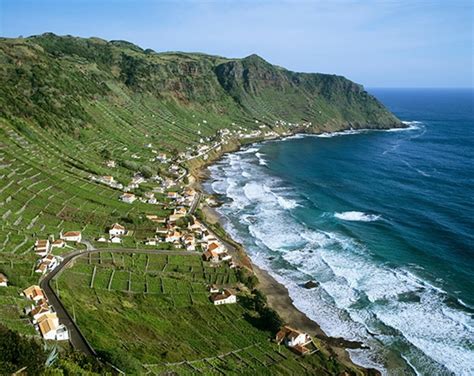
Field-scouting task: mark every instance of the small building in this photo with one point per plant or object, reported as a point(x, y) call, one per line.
point(175, 217)
point(181, 210)
point(291, 337)
point(3, 280)
point(116, 240)
point(117, 230)
point(151, 241)
point(58, 243)
point(224, 256)
point(173, 236)
point(211, 256)
point(42, 247)
point(128, 198)
point(71, 236)
point(34, 293)
point(101, 239)
point(172, 195)
point(40, 311)
point(108, 179)
point(213, 289)
point(62, 333)
point(226, 297)
point(215, 247)
point(50, 329)
point(110, 164)
point(42, 267)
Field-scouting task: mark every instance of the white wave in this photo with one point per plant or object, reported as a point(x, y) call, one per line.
point(421, 172)
point(357, 296)
point(249, 150)
point(245, 174)
point(341, 133)
point(286, 203)
point(293, 137)
point(357, 216)
point(412, 125)
point(261, 160)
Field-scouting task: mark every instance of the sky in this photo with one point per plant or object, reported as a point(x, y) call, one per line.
point(404, 43)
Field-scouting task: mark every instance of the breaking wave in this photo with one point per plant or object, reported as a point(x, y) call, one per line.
point(357, 216)
point(358, 297)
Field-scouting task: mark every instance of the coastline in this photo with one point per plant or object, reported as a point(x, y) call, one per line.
point(277, 294)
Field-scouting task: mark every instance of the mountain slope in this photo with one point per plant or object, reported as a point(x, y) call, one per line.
point(49, 79)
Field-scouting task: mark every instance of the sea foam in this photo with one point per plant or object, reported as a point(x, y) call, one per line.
point(357, 216)
point(358, 297)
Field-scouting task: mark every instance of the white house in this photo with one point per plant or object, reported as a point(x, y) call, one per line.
point(62, 333)
point(40, 311)
point(292, 337)
point(128, 198)
point(101, 239)
point(117, 230)
point(225, 298)
point(115, 240)
point(71, 236)
point(3, 280)
point(42, 247)
point(50, 329)
point(173, 236)
point(151, 241)
point(172, 195)
point(58, 243)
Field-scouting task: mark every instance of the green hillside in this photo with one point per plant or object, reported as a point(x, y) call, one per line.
point(68, 105)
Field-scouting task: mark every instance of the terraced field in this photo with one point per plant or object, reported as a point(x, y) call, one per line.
point(151, 313)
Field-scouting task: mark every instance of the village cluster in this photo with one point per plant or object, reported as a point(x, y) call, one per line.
point(181, 229)
point(44, 247)
point(44, 318)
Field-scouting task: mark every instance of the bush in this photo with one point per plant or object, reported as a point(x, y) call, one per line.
point(147, 171)
point(17, 352)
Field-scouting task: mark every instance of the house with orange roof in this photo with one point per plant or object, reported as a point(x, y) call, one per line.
point(71, 236)
point(210, 255)
point(129, 198)
point(39, 311)
point(293, 338)
point(3, 280)
point(34, 293)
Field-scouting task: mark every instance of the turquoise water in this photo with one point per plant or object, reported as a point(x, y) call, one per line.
point(383, 220)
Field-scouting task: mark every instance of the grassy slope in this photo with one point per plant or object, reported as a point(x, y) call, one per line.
point(154, 314)
point(64, 100)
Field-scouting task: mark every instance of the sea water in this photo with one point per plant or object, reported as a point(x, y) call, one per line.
point(383, 220)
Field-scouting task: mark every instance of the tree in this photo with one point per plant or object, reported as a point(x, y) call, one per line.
point(17, 352)
point(106, 154)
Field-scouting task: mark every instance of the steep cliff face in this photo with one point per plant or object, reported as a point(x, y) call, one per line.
point(49, 79)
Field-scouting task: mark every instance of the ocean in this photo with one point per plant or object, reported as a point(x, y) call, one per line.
point(382, 220)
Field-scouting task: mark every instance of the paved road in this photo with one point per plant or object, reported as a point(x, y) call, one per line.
point(77, 339)
point(195, 203)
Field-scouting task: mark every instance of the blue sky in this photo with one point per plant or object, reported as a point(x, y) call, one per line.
point(420, 43)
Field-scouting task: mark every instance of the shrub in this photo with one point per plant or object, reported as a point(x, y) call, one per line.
point(17, 352)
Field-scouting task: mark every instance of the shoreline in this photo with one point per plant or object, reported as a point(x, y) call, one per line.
point(277, 294)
